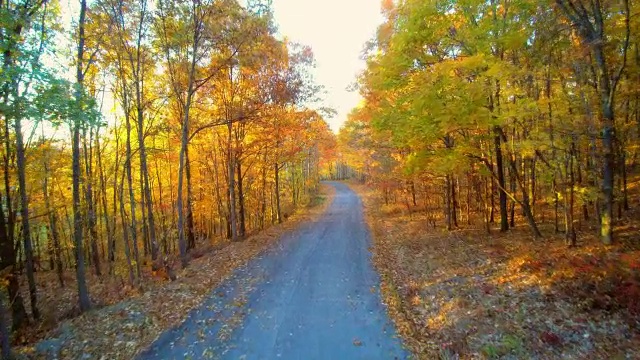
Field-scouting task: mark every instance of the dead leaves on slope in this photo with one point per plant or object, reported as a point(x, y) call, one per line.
point(466, 295)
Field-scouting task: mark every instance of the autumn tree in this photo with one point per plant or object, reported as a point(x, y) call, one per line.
point(485, 98)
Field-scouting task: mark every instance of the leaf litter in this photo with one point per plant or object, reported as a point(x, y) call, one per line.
point(128, 321)
point(466, 295)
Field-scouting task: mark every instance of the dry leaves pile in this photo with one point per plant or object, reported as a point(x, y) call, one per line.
point(130, 320)
point(467, 295)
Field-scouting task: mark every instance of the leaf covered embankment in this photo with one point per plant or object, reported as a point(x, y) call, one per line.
point(122, 329)
point(465, 294)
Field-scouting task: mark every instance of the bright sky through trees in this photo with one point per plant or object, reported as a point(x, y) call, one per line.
point(336, 30)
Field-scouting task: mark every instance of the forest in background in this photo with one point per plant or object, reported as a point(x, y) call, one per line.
point(501, 112)
point(496, 150)
point(162, 127)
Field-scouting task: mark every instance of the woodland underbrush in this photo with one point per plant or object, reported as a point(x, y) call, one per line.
point(468, 294)
point(127, 319)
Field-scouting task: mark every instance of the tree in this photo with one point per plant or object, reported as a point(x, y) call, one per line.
point(589, 21)
point(23, 42)
point(82, 104)
point(109, 192)
point(491, 97)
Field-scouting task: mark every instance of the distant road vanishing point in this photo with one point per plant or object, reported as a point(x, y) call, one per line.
point(315, 295)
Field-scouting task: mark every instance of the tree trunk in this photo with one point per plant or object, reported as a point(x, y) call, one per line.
point(83, 291)
point(8, 258)
point(555, 207)
point(263, 205)
point(53, 225)
point(447, 201)
point(570, 234)
point(182, 245)
point(125, 233)
point(132, 199)
point(163, 216)
point(623, 175)
point(190, 230)
point(590, 26)
point(525, 203)
point(512, 207)
point(144, 169)
point(146, 246)
point(277, 192)
point(103, 201)
point(231, 183)
point(242, 230)
point(413, 193)
point(217, 187)
point(504, 220)
point(24, 213)
point(91, 212)
point(454, 202)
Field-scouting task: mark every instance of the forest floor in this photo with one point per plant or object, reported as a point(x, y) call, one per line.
point(126, 320)
point(464, 294)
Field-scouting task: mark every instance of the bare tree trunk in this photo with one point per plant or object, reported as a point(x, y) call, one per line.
point(24, 213)
point(132, 198)
point(83, 291)
point(525, 203)
point(217, 187)
point(555, 207)
point(231, 183)
point(277, 192)
point(447, 201)
point(53, 224)
point(512, 208)
point(504, 220)
point(8, 258)
point(487, 207)
point(607, 180)
point(143, 214)
point(91, 212)
point(242, 230)
point(103, 201)
point(163, 216)
point(263, 204)
point(190, 230)
point(454, 202)
point(125, 232)
point(184, 139)
point(570, 233)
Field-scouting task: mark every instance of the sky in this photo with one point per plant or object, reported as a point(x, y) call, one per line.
point(337, 31)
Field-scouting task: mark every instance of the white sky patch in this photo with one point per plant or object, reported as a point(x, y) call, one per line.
point(337, 31)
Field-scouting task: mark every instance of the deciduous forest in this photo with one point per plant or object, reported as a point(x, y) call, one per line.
point(160, 128)
point(150, 148)
point(503, 106)
point(512, 126)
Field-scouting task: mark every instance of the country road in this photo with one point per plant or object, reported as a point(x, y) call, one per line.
point(312, 296)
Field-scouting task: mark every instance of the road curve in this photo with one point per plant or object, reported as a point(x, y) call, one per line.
point(314, 295)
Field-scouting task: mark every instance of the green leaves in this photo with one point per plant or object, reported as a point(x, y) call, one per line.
point(449, 70)
point(59, 101)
